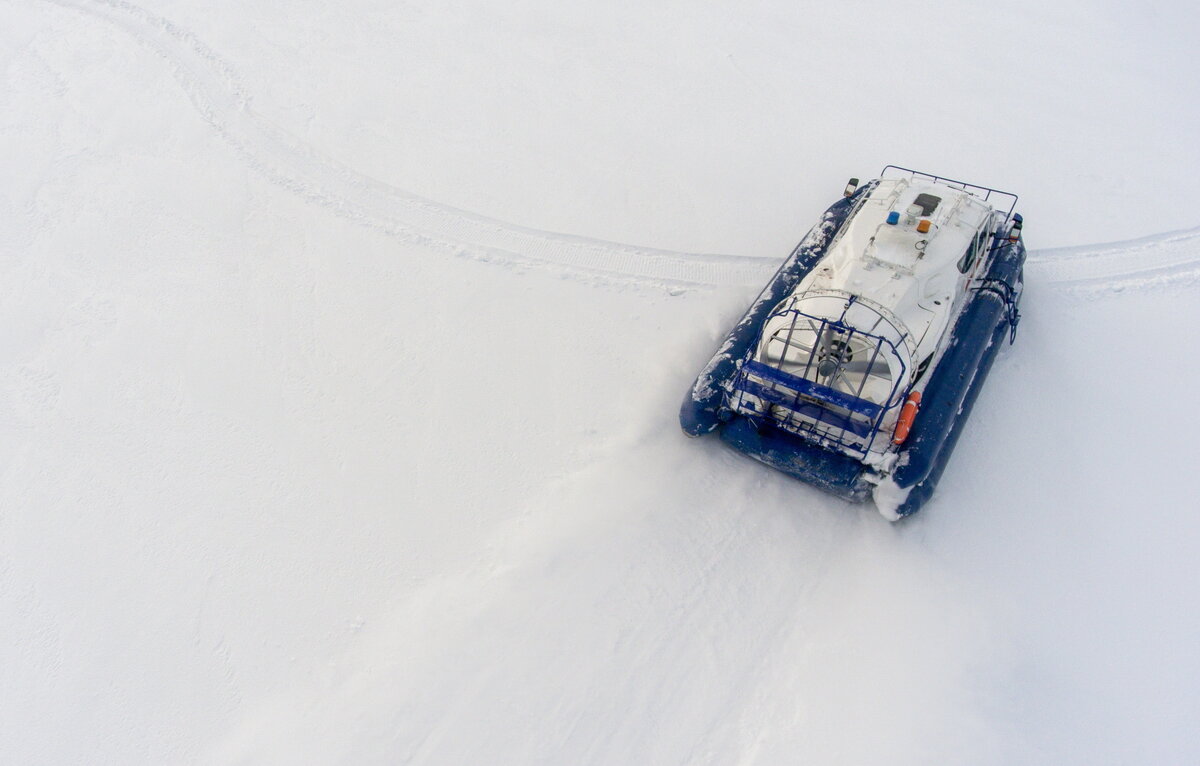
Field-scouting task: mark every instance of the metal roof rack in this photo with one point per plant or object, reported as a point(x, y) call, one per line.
point(974, 189)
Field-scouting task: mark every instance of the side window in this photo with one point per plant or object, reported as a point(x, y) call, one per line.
point(968, 260)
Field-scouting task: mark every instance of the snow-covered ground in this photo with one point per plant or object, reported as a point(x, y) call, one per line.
point(302, 463)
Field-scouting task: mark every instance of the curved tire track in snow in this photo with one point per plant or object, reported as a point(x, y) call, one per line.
point(215, 90)
point(1155, 261)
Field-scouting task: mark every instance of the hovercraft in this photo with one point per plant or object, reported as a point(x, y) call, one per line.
point(857, 366)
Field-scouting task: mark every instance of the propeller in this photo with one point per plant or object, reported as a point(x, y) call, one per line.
point(830, 360)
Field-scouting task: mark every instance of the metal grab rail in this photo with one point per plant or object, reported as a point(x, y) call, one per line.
point(967, 187)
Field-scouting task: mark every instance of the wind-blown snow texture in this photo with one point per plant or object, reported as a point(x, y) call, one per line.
point(302, 463)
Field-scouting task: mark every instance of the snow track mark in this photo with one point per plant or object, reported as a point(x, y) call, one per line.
point(215, 89)
point(1146, 263)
